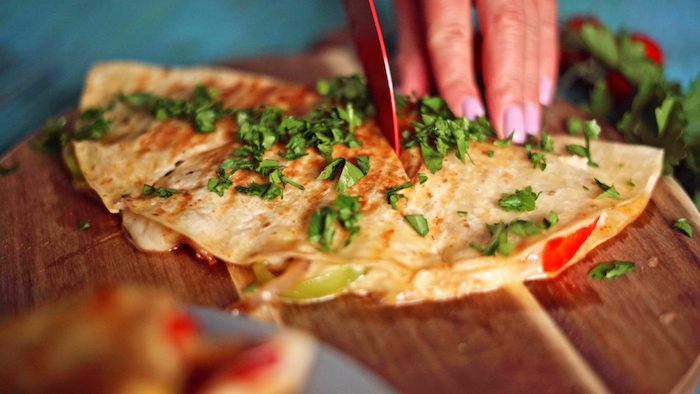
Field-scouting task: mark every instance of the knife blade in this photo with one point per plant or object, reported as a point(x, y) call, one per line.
point(369, 44)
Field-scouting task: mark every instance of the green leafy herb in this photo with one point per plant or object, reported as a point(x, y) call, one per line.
point(347, 90)
point(162, 192)
point(537, 159)
point(346, 211)
point(608, 191)
point(490, 153)
point(392, 197)
point(521, 201)
point(683, 226)
point(498, 242)
point(418, 223)
point(585, 187)
point(422, 178)
point(363, 163)
point(126, 195)
point(439, 131)
point(5, 171)
point(611, 270)
point(266, 191)
point(349, 174)
point(591, 130)
point(83, 225)
point(505, 142)
point(462, 213)
point(547, 223)
point(631, 183)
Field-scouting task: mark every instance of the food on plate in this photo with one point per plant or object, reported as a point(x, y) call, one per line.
point(122, 340)
point(305, 200)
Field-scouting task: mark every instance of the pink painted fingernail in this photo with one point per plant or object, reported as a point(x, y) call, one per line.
point(546, 91)
point(513, 123)
point(533, 124)
point(472, 108)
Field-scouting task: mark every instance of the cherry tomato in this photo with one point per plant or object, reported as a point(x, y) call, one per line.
point(619, 87)
point(652, 48)
point(558, 251)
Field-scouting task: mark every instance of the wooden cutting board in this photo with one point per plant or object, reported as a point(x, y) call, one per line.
point(636, 333)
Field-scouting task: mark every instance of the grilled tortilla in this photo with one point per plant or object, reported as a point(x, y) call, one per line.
point(388, 257)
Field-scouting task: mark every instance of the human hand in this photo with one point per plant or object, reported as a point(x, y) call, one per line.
point(519, 58)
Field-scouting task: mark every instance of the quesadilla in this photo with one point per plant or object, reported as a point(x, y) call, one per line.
point(127, 340)
point(304, 199)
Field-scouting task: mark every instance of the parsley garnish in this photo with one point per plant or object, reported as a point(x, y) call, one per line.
point(490, 153)
point(83, 225)
point(418, 223)
point(547, 223)
point(422, 178)
point(608, 191)
point(504, 143)
point(126, 195)
point(631, 183)
point(439, 131)
point(521, 201)
point(162, 192)
point(611, 270)
point(538, 159)
point(363, 163)
point(392, 197)
point(462, 213)
point(5, 171)
point(349, 174)
point(591, 130)
point(683, 226)
point(346, 210)
point(266, 191)
point(498, 243)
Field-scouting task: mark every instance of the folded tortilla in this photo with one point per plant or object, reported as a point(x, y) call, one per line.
point(396, 263)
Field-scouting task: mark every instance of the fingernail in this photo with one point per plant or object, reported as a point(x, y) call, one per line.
point(546, 91)
point(472, 108)
point(513, 123)
point(533, 124)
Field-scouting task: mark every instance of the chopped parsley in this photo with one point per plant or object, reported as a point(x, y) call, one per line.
point(83, 225)
point(504, 143)
point(422, 178)
point(418, 223)
point(490, 153)
point(545, 144)
point(266, 191)
point(126, 195)
point(521, 201)
point(611, 270)
point(162, 192)
point(608, 191)
point(550, 221)
point(574, 125)
point(684, 227)
point(440, 131)
point(5, 171)
point(631, 183)
point(462, 213)
point(392, 197)
point(363, 163)
point(591, 130)
point(498, 243)
point(349, 173)
point(346, 211)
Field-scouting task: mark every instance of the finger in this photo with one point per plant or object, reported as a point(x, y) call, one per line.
point(549, 50)
point(502, 23)
point(412, 59)
point(531, 77)
point(449, 34)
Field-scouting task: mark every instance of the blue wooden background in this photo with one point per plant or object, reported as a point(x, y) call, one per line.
point(46, 46)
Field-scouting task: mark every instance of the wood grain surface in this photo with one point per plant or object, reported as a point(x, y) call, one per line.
point(636, 333)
